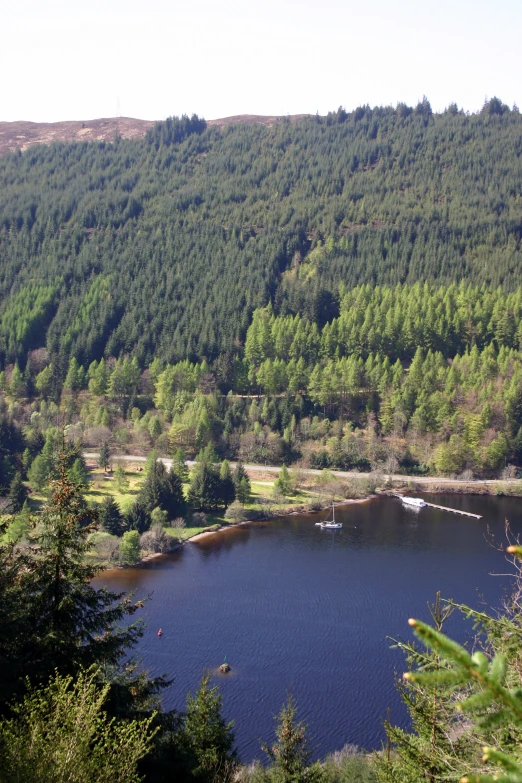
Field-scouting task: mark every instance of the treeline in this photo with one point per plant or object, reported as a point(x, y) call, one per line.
point(163, 247)
point(418, 379)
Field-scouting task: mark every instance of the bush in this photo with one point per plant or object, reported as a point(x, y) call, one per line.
point(155, 540)
point(236, 512)
point(130, 548)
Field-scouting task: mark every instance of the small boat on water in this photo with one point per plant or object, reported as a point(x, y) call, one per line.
point(414, 502)
point(330, 524)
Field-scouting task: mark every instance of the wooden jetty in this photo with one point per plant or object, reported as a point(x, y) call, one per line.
point(455, 511)
point(441, 508)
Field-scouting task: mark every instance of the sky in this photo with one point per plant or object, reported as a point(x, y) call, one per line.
point(150, 59)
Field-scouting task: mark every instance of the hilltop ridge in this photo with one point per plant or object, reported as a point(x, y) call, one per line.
point(22, 134)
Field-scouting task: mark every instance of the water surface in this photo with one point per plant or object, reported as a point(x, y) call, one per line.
point(292, 606)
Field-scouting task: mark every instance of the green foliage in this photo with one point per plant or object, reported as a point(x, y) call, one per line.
point(207, 740)
point(242, 483)
point(137, 517)
point(207, 489)
point(78, 473)
point(179, 466)
point(26, 317)
point(104, 456)
point(130, 547)
point(120, 479)
point(466, 707)
point(286, 214)
point(162, 489)
point(110, 517)
point(38, 473)
point(17, 494)
point(284, 482)
point(54, 617)
point(290, 753)
point(61, 732)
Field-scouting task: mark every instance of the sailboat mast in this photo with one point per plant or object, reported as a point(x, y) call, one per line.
point(333, 511)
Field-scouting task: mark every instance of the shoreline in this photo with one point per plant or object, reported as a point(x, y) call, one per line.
point(232, 526)
point(488, 488)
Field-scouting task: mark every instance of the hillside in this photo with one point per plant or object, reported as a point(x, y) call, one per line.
point(165, 244)
point(22, 135)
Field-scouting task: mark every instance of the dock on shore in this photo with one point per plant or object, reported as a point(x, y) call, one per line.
point(442, 508)
point(455, 511)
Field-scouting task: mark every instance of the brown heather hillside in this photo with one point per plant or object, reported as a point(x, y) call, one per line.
point(21, 135)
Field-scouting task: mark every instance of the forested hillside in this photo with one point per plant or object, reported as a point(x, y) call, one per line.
point(165, 246)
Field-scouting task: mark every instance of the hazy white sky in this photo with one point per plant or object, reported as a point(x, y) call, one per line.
point(82, 59)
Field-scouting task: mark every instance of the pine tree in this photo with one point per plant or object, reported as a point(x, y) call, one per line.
point(78, 473)
point(38, 473)
point(137, 517)
point(284, 481)
point(17, 494)
point(207, 740)
point(240, 475)
point(290, 754)
point(179, 466)
point(204, 491)
point(163, 489)
point(104, 456)
point(227, 489)
point(243, 491)
point(110, 516)
point(68, 622)
point(120, 480)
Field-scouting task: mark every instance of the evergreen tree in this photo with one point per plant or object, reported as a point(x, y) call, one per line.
point(290, 754)
point(110, 516)
point(137, 517)
point(284, 481)
point(227, 487)
point(104, 456)
point(179, 466)
point(78, 473)
point(120, 480)
point(68, 622)
point(243, 491)
point(240, 475)
point(17, 494)
point(162, 489)
point(38, 473)
point(205, 487)
point(207, 740)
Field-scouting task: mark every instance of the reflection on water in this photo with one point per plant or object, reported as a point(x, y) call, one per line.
point(294, 606)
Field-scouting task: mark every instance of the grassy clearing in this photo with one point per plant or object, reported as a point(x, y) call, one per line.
point(188, 532)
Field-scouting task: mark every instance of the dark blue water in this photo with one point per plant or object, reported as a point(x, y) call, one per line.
point(292, 606)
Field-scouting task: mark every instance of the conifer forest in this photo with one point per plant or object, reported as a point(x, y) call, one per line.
point(337, 293)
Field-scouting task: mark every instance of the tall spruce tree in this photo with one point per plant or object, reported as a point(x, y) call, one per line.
point(70, 623)
point(290, 754)
point(110, 517)
point(17, 494)
point(162, 489)
point(207, 740)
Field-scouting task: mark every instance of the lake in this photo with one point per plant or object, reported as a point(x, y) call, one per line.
point(295, 607)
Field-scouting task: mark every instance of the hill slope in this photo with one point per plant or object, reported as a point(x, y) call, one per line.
point(22, 135)
point(165, 244)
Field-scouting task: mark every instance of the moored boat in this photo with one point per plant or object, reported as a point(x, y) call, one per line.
point(331, 524)
point(415, 502)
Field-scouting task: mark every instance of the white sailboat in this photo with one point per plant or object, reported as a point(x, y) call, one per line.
point(330, 524)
